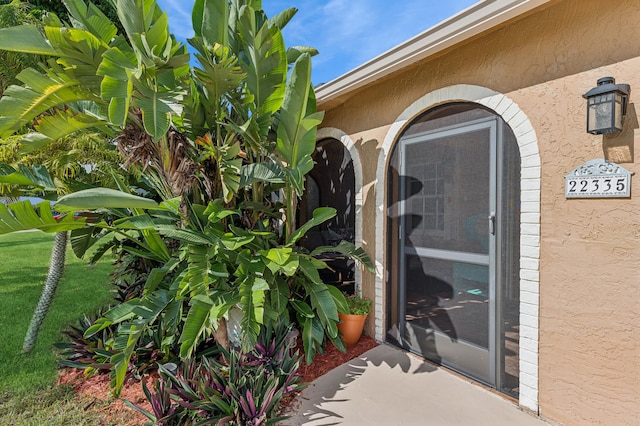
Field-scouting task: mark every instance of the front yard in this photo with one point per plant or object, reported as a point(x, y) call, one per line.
point(27, 392)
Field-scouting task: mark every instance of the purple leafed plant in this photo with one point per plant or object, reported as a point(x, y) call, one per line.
point(246, 390)
point(164, 411)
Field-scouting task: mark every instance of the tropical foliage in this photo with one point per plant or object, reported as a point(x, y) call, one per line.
point(37, 178)
point(244, 391)
point(21, 12)
point(221, 150)
point(88, 353)
point(76, 162)
point(86, 158)
point(11, 63)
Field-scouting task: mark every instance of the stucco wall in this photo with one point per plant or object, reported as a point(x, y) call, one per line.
point(589, 249)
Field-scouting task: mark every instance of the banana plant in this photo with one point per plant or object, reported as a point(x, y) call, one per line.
point(215, 141)
point(226, 265)
point(96, 78)
point(223, 267)
point(297, 135)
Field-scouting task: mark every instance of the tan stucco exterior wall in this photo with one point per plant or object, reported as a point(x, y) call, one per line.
point(590, 248)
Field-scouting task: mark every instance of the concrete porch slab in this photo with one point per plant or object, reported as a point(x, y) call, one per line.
point(388, 386)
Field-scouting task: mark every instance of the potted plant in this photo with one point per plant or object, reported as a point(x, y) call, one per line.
point(352, 323)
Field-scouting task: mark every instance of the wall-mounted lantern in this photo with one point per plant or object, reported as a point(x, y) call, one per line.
point(606, 106)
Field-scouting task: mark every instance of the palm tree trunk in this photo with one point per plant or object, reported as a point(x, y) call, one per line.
point(56, 267)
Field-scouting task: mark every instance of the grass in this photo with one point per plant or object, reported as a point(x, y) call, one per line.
point(57, 405)
point(26, 380)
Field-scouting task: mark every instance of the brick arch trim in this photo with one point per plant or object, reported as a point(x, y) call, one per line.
point(529, 220)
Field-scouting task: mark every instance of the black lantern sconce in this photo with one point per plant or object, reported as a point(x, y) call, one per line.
point(606, 106)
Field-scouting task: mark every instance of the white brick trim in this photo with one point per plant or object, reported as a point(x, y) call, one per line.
point(530, 217)
point(333, 133)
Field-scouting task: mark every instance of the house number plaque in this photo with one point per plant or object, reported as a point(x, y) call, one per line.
point(598, 178)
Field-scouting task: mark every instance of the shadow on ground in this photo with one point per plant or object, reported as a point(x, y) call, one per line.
point(311, 404)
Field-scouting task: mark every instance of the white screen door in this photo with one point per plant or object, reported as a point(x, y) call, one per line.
point(447, 252)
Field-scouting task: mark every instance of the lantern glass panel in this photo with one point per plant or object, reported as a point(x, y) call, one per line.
point(618, 111)
point(591, 119)
point(600, 112)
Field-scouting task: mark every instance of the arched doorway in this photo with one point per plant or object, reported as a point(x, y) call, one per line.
point(331, 183)
point(453, 242)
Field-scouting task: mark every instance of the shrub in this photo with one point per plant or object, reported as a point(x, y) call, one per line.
point(245, 390)
point(93, 353)
point(89, 353)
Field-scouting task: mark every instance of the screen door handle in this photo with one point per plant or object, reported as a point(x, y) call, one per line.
point(492, 223)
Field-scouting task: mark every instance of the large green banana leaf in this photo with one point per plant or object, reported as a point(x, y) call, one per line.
point(92, 19)
point(23, 216)
point(220, 74)
point(156, 107)
point(20, 105)
point(66, 122)
point(261, 172)
point(297, 129)
point(197, 321)
point(252, 292)
point(282, 19)
point(117, 67)
point(209, 19)
point(350, 250)
point(320, 215)
point(96, 198)
point(265, 62)
point(35, 176)
point(137, 16)
point(25, 39)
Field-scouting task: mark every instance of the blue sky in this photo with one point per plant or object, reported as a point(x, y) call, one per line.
point(346, 32)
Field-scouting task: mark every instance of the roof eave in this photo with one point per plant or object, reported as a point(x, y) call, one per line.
point(470, 22)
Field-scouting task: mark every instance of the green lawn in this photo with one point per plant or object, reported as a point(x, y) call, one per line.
point(24, 260)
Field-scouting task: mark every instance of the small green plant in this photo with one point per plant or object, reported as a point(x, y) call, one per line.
point(89, 353)
point(93, 353)
point(358, 305)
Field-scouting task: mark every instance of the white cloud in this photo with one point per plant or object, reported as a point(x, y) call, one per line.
point(179, 12)
point(346, 32)
point(343, 20)
point(359, 30)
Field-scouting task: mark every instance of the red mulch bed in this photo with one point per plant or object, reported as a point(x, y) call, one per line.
point(332, 358)
point(95, 392)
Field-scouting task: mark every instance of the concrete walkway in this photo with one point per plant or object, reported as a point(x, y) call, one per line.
point(387, 386)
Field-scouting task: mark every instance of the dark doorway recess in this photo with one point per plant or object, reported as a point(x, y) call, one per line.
point(331, 183)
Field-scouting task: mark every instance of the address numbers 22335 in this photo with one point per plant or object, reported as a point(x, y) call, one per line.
point(597, 186)
point(598, 178)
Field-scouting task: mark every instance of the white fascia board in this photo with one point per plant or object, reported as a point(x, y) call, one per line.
point(472, 21)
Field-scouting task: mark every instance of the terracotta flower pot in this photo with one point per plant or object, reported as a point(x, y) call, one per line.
point(351, 327)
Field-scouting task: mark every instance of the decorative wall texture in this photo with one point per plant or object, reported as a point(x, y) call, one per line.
point(580, 279)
